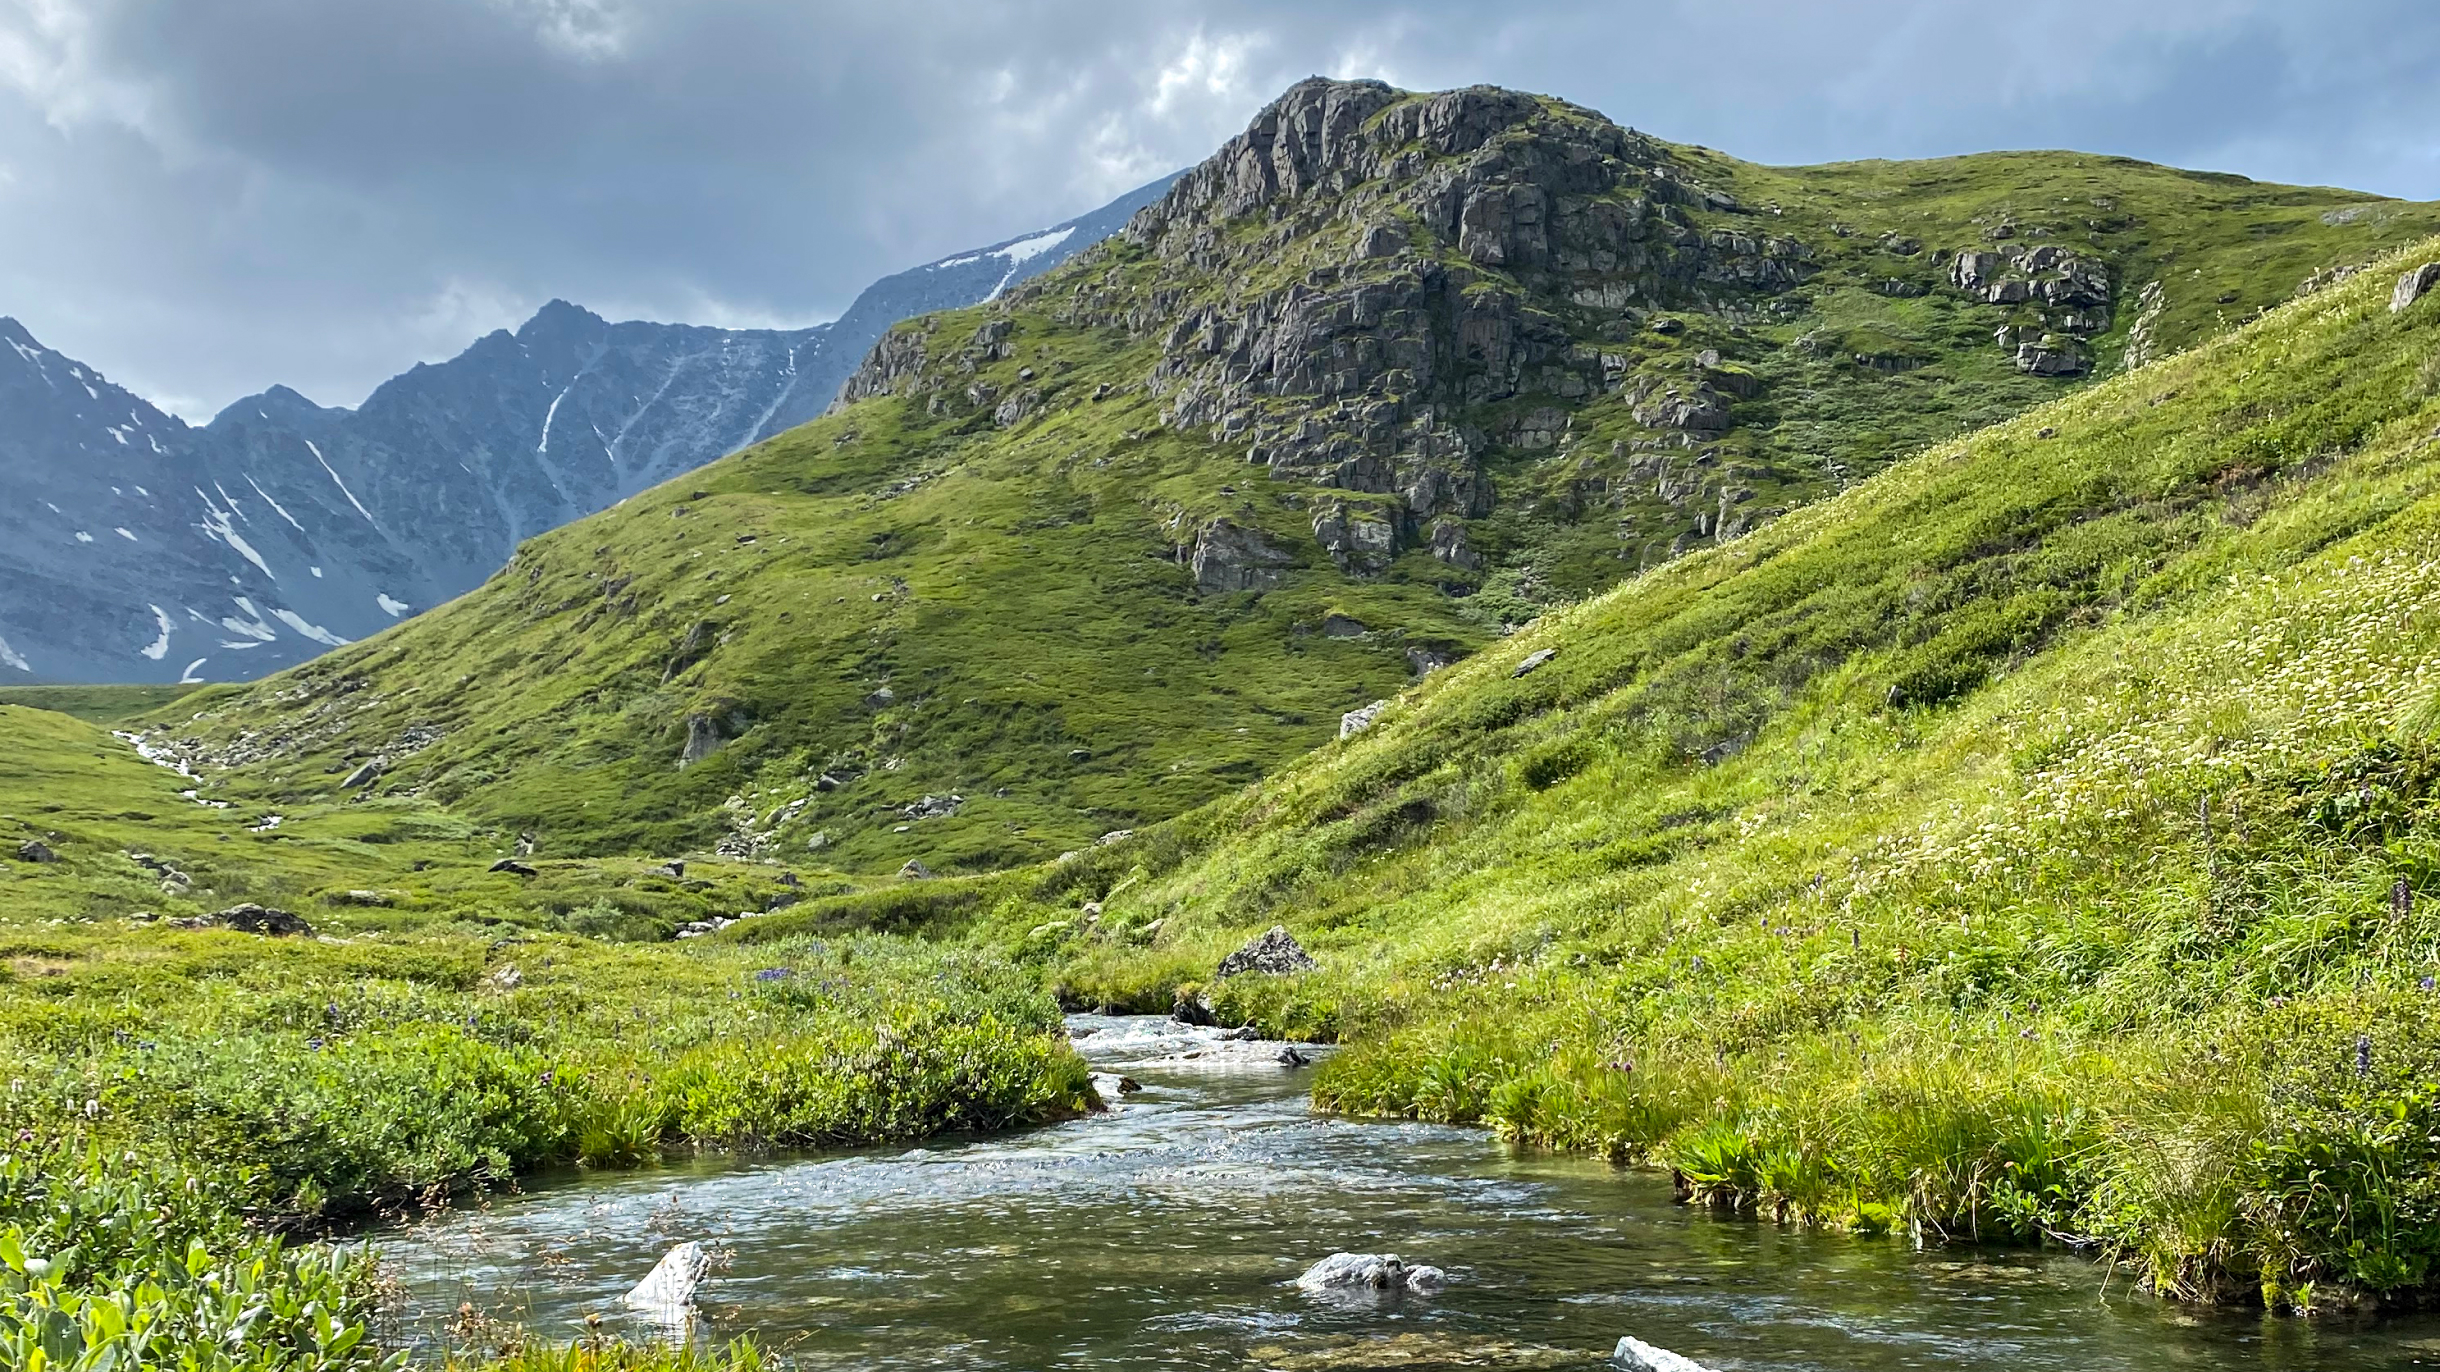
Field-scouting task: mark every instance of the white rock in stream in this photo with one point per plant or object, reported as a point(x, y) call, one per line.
point(670, 1287)
point(1635, 1355)
point(1368, 1271)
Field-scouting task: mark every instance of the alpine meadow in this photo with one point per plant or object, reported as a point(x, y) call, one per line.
point(1895, 695)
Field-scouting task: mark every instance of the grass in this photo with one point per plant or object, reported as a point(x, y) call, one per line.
point(189, 1109)
point(2032, 844)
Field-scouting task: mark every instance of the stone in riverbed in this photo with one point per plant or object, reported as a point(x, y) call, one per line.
point(1634, 1355)
point(1276, 953)
point(669, 1288)
point(1369, 1272)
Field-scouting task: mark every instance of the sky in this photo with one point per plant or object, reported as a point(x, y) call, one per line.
point(203, 198)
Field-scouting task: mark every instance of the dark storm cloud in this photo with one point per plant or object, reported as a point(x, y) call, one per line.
point(206, 198)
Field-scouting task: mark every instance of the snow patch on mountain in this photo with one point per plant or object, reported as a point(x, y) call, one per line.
point(335, 481)
point(313, 631)
point(159, 647)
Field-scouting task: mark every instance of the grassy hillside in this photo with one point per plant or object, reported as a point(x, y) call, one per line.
point(2035, 842)
point(1034, 570)
point(183, 1092)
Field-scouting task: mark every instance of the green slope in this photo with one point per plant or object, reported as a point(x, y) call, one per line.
point(1492, 354)
point(2037, 840)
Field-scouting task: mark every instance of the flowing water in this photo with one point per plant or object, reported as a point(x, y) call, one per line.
point(1166, 1233)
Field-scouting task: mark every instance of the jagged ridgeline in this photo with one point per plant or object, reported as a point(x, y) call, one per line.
point(1385, 377)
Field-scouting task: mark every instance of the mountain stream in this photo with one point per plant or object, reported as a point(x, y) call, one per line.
point(1168, 1232)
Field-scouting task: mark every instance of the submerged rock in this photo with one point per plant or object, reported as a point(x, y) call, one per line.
point(669, 1288)
point(1276, 953)
point(1369, 1272)
point(1635, 1355)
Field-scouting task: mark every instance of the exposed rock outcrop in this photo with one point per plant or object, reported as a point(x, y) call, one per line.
point(1361, 541)
point(1357, 721)
point(1276, 953)
point(2412, 285)
point(1228, 556)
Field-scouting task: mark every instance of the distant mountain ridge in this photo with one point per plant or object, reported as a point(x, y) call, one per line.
point(137, 547)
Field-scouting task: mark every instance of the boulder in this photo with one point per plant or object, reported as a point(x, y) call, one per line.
point(2051, 356)
point(365, 775)
point(1276, 953)
point(1289, 1057)
point(669, 1288)
point(1369, 1272)
point(35, 850)
point(1190, 1006)
point(2412, 286)
point(514, 868)
point(1634, 1355)
point(1534, 661)
point(1357, 721)
point(933, 807)
point(915, 870)
point(255, 919)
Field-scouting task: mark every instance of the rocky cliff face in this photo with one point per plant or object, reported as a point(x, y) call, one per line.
point(134, 547)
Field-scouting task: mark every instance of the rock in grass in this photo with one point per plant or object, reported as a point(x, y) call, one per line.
point(669, 1288)
point(1635, 1355)
point(1357, 721)
point(2412, 286)
point(1276, 953)
point(514, 868)
point(365, 775)
point(915, 870)
point(1369, 1272)
point(35, 850)
point(1534, 660)
point(255, 919)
